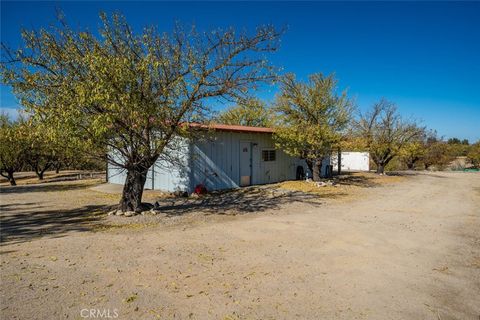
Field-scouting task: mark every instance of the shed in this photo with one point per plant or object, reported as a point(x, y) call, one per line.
point(351, 161)
point(230, 157)
point(233, 156)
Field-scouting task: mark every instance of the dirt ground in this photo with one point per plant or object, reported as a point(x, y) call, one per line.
point(371, 248)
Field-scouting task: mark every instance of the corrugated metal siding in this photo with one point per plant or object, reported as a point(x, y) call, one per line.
point(118, 175)
point(169, 177)
point(215, 161)
point(164, 175)
point(173, 174)
point(115, 174)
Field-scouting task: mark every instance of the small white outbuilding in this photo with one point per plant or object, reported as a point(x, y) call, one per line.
point(351, 161)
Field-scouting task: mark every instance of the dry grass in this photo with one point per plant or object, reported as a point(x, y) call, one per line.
point(28, 178)
point(346, 186)
point(309, 187)
point(125, 226)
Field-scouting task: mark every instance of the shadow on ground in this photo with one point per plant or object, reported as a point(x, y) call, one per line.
point(28, 220)
point(25, 222)
point(373, 180)
point(42, 187)
point(351, 179)
point(238, 201)
point(23, 178)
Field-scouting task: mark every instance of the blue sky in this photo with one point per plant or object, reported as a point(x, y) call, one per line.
point(423, 56)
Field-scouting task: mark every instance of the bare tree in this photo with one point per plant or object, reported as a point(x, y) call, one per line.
point(385, 132)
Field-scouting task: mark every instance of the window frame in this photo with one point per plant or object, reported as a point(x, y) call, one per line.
point(269, 153)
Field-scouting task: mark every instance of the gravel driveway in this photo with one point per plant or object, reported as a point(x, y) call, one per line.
point(409, 250)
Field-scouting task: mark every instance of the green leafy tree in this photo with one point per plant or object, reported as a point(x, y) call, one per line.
point(42, 149)
point(437, 154)
point(70, 151)
point(386, 133)
point(458, 141)
point(50, 147)
point(458, 148)
point(312, 118)
point(133, 94)
point(474, 154)
point(12, 147)
point(454, 141)
point(412, 153)
point(251, 112)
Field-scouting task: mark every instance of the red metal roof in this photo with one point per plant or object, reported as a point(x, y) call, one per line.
point(232, 128)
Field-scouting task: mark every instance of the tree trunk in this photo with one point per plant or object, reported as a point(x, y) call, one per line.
point(39, 174)
point(317, 169)
point(382, 162)
point(380, 168)
point(133, 190)
point(57, 168)
point(9, 176)
point(11, 179)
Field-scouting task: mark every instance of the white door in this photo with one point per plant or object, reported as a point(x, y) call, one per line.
point(245, 164)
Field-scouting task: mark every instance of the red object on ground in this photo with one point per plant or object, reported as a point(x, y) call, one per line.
point(200, 189)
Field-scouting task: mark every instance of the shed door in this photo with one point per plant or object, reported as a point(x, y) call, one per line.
point(245, 164)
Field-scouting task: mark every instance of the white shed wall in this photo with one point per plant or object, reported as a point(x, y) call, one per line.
point(352, 161)
point(118, 175)
point(173, 174)
point(170, 174)
point(216, 161)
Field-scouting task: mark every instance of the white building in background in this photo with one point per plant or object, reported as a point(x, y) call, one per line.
point(351, 161)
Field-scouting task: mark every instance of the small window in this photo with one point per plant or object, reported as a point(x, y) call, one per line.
point(269, 155)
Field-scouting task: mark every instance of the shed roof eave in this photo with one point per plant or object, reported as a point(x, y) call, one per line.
point(231, 128)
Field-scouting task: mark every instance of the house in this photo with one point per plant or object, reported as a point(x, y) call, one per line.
point(229, 157)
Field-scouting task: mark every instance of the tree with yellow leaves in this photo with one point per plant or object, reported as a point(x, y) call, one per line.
point(133, 94)
point(312, 118)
